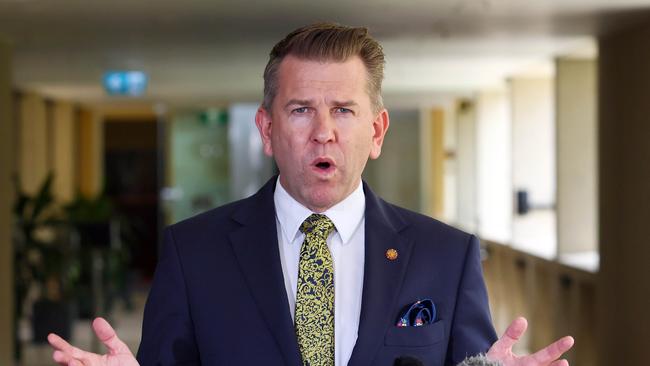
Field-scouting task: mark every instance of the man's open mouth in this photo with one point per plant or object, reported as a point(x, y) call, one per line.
point(323, 165)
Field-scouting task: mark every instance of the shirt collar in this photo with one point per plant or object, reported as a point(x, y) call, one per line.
point(346, 215)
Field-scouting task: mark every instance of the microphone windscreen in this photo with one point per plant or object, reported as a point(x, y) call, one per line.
point(479, 360)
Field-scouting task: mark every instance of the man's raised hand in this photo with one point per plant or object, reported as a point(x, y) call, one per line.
point(118, 353)
point(501, 350)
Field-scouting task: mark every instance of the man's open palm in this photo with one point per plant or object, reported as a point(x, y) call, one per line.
point(118, 353)
point(501, 350)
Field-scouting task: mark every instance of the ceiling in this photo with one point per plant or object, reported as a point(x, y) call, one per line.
point(214, 51)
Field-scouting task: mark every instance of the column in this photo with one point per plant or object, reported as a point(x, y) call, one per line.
point(7, 196)
point(624, 197)
point(576, 154)
point(494, 166)
point(63, 151)
point(34, 148)
point(466, 217)
point(432, 161)
point(533, 163)
point(90, 163)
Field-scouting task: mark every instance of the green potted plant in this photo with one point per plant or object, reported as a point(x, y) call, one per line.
point(100, 230)
point(44, 262)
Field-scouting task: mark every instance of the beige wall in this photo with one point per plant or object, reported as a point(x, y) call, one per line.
point(48, 139)
point(624, 194)
point(63, 149)
point(90, 162)
point(577, 202)
point(33, 148)
point(7, 166)
point(432, 161)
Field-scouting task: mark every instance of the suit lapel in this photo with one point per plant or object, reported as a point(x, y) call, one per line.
point(382, 278)
point(255, 245)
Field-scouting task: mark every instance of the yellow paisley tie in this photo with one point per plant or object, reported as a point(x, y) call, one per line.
point(315, 296)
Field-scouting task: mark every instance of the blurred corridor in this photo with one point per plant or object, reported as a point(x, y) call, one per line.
point(525, 123)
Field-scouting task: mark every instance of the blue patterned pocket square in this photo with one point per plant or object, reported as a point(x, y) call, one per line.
point(421, 312)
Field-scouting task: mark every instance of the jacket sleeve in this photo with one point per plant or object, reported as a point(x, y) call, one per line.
point(167, 329)
point(471, 330)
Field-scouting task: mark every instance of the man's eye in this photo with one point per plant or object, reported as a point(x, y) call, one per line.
point(342, 110)
point(300, 110)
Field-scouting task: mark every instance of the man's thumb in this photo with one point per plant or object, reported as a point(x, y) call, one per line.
point(512, 334)
point(107, 335)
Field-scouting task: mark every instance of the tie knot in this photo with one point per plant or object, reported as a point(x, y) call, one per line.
point(318, 224)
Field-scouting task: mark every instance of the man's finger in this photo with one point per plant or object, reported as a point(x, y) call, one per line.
point(61, 357)
point(553, 351)
point(66, 348)
point(59, 343)
point(107, 335)
point(512, 334)
point(560, 363)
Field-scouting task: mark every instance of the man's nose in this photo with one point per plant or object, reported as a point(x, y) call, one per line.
point(324, 128)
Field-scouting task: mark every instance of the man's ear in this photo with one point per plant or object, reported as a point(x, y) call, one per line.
point(264, 126)
point(379, 128)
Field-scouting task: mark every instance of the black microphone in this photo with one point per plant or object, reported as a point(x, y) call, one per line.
point(407, 361)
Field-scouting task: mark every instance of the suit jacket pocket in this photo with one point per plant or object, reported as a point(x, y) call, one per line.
point(415, 336)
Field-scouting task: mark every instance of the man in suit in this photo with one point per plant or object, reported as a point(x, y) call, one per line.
point(315, 269)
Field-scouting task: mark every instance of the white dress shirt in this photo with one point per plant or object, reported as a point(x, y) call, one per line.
point(346, 244)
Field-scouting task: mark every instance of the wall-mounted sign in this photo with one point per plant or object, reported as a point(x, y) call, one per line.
point(128, 83)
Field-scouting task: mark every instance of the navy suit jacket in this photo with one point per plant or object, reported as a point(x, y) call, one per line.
point(218, 295)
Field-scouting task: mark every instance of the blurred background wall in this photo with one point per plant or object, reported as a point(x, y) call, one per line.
point(525, 123)
point(7, 167)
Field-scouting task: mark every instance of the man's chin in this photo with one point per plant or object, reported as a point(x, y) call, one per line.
point(321, 199)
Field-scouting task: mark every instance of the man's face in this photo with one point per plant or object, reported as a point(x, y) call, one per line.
point(321, 130)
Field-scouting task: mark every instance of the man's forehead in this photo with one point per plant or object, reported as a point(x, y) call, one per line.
point(347, 76)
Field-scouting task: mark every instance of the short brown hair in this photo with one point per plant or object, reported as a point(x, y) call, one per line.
point(328, 42)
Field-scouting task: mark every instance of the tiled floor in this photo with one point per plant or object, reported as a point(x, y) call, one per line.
point(126, 323)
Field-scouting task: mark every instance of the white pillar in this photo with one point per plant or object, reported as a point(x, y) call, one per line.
point(466, 165)
point(533, 163)
point(494, 166)
point(577, 204)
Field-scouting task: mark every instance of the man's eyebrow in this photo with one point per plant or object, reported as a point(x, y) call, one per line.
point(345, 103)
point(298, 102)
point(307, 102)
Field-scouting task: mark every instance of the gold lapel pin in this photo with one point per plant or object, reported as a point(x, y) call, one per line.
point(391, 254)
